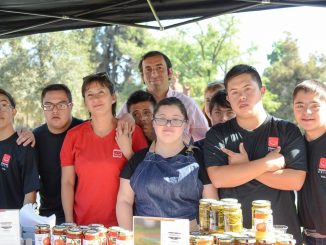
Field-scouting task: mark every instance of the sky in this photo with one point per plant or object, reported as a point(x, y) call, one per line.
point(262, 28)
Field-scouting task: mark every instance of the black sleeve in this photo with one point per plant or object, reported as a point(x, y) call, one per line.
point(213, 156)
point(30, 171)
point(133, 163)
point(202, 175)
point(294, 149)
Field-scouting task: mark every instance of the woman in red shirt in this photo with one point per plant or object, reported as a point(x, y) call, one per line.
point(94, 153)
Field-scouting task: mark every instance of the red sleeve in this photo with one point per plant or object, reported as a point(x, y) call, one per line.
point(139, 141)
point(67, 157)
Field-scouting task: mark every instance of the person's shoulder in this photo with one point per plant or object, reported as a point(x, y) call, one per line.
point(139, 155)
point(181, 96)
point(41, 129)
point(76, 121)
point(283, 123)
point(79, 128)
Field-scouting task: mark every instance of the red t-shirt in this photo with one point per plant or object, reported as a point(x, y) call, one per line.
point(98, 162)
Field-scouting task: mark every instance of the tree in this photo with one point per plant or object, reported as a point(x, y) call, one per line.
point(287, 70)
point(32, 62)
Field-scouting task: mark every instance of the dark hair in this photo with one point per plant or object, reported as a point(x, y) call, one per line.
point(212, 86)
point(242, 69)
point(103, 79)
point(140, 96)
point(56, 87)
point(10, 98)
point(219, 99)
point(172, 101)
point(314, 86)
point(151, 54)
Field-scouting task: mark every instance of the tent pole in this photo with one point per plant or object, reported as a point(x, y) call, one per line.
point(155, 15)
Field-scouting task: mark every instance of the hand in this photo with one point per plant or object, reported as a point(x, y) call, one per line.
point(236, 158)
point(275, 160)
point(26, 137)
point(124, 140)
point(128, 120)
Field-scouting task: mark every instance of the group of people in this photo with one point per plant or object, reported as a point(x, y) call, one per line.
point(158, 157)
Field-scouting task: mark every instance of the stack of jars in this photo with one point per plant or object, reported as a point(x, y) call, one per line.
point(70, 233)
point(221, 223)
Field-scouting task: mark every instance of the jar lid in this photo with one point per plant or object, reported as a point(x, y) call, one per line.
point(206, 201)
point(229, 200)
point(217, 203)
point(91, 232)
point(59, 228)
point(69, 224)
point(74, 230)
point(95, 225)
point(263, 211)
point(42, 226)
point(261, 203)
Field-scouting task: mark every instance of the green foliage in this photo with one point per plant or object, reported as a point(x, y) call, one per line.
point(286, 71)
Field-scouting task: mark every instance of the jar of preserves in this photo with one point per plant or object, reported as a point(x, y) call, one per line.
point(258, 204)
point(233, 217)
point(216, 211)
point(125, 237)
point(103, 235)
point(58, 235)
point(267, 241)
point(284, 241)
point(74, 236)
point(91, 237)
point(263, 223)
point(201, 240)
point(42, 234)
point(223, 237)
point(225, 241)
point(247, 241)
point(204, 214)
point(113, 233)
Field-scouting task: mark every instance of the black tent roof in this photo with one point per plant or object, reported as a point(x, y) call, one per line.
point(23, 17)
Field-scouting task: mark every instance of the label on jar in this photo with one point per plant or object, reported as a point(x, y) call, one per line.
point(213, 220)
point(74, 241)
point(42, 239)
point(58, 239)
point(264, 224)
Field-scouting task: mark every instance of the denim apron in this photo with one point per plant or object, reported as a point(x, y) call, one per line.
point(167, 187)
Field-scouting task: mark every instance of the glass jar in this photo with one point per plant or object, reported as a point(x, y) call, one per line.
point(247, 241)
point(113, 233)
point(42, 234)
point(91, 237)
point(58, 235)
point(267, 241)
point(263, 223)
point(222, 237)
point(216, 211)
point(103, 235)
point(201, 240)
point(204, 213)
point(233, 217)
point(125, 237)
point(258, 204)
point(74, 236)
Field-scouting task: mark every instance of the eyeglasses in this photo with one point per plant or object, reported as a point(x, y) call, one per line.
point(5, 107)
point(172, 122)
point(59, 106)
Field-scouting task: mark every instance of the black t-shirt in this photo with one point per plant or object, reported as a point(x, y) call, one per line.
point(48, 147)
point(312, 197)
point(258, 143)
point(139, 156)
point(18, 173)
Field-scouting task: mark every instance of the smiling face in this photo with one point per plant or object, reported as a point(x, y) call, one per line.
point(7, 114)
point(245, 96)
point(169, 133)
point(156, 74)
point(98, 99)
point(310, 113)
point(57, 120)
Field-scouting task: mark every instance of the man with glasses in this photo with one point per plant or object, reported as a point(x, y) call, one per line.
point(140, 105)
point(156, 72)
point(19, 179)
point(57, 104)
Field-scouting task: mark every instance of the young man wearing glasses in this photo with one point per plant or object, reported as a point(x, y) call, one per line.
point(18, 172)
point(57, 105)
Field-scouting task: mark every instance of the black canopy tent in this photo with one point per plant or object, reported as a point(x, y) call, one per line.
point(24, 17)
